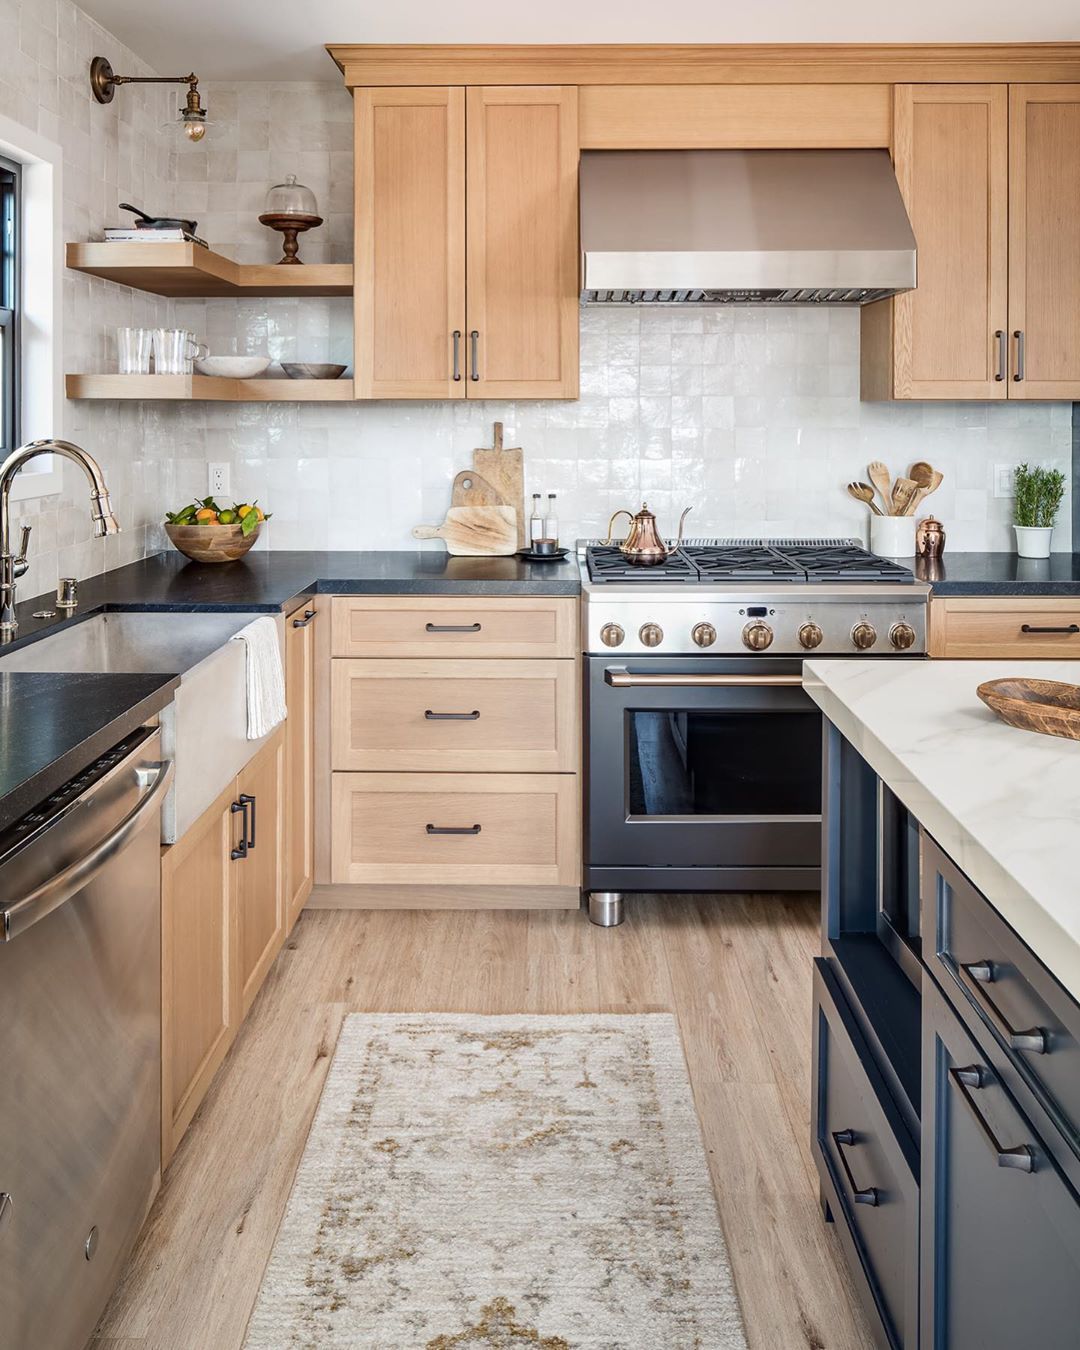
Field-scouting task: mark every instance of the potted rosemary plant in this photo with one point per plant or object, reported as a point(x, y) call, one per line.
point(1038, 497)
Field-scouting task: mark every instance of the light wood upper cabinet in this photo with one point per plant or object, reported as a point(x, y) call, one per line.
point(991, 176)
point(454, 184)
point(410, 242)
point(1044, 239)
point(521, 212)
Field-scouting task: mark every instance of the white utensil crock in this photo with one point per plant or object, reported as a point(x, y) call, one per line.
point(892, 536)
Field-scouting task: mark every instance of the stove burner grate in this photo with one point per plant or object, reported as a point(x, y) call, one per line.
point(792, 560)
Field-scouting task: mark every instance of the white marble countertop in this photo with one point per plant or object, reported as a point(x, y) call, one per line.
point(1004, 804)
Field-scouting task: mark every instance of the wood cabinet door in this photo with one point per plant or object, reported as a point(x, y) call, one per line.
point(259, 876)
point(951, 156)
point(299, 760)
point(409, 296)
point(200, 999)
point(522, 230)
point(1044, 240)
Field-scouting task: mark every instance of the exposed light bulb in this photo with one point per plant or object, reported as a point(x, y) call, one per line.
point(194, 131)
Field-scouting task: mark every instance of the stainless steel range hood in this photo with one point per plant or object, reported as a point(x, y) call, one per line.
point(742, 227)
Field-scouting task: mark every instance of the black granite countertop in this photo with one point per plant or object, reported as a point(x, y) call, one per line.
point(53, 726)
point(1004, 574)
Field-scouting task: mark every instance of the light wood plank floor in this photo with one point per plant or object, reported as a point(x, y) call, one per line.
point(735, 970)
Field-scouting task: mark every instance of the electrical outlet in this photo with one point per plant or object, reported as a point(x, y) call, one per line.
point(1003, 480)
point(217, 483)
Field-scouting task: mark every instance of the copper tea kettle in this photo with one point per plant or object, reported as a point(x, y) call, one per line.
point(643, 544)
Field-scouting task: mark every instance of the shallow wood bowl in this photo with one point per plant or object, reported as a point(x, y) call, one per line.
point(211, 543)
point(1047, 706)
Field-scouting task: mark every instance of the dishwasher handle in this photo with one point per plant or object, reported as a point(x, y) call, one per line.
point(58, 890)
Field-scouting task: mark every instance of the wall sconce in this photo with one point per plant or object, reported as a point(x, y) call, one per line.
point(191, 118)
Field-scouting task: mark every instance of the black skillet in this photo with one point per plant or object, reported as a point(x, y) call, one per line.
point(145, 222)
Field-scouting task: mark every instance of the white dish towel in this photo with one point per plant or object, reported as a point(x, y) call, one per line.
point(265, 677)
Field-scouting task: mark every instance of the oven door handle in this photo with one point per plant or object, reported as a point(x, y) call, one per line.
point(620, 678)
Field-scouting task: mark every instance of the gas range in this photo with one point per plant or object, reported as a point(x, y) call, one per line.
point(778, 597)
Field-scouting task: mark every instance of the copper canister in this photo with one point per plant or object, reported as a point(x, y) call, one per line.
point(929, 538)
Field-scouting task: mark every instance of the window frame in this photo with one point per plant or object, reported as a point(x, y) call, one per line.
point(11, 277)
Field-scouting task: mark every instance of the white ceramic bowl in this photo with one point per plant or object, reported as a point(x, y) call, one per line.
point(233, 367)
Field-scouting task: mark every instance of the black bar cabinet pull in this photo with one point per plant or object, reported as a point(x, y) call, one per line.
point(1019, 336)
point(309, 614)
point(452, 717)
point(452, 627)
point(1022, 1157)
point(241, 849)
point(1034, 1039)
point(248, 800)
point(868, 1195)
point(457, 353)
point(1065, 628)
point(474, 339)
point(452, 829)
point(1003, 360)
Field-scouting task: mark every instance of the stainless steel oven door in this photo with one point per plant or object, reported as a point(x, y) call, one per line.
point(704, 772)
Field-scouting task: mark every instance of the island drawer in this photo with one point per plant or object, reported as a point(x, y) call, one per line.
point(868, 1165)
point(977, 627)
point(995, 982)
point(455, 829)
point(458, 626)
point(450, 715)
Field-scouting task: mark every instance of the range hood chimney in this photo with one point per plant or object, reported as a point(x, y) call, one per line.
point(743, 227)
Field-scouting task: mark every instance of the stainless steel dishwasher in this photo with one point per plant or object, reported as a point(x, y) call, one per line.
point(80, 1012)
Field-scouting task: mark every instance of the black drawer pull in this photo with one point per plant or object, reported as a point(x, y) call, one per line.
point(452, 627)
point(1066, 628)
point(452, 829)
point(451, 717)
point(241, 849)
point(1022, 1157)
point(309, 614)
point(1034, 1039)
point(847, 1139)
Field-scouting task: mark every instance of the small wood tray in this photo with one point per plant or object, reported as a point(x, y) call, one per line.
point(1048, 706)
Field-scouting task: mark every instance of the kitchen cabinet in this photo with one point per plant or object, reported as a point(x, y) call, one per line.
point(990, 176)
point(299, 759)
point(466, 268)
point(223, 910)
point(991, 628)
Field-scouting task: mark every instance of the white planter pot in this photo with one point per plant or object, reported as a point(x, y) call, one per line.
point(1033, 541)
point(892, 536)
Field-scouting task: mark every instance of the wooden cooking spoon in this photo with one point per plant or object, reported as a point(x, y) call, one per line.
point(926, 476)
point(879, 476)
point(863, 492)
point(904, 494)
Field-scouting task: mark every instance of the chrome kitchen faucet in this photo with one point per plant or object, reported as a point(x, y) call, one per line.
point(13, 566)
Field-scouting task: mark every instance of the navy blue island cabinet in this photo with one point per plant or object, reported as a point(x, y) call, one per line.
point(946, 1093)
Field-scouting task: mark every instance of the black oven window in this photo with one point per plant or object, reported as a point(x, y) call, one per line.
point(9, 306)
point(725, 763)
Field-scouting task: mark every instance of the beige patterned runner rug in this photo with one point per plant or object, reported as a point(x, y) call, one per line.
point(502, 1183)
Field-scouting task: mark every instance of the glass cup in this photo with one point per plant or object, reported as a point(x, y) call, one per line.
point(175, 351)
point(133, 351)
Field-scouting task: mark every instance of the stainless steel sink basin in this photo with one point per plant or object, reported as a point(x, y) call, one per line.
point(204, 729)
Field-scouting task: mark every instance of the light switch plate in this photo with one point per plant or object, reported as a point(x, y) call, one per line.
point(217, 482)
point(1003, 480)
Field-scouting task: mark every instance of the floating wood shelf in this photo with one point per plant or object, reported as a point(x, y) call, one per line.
point(211, 388)
point(190, 270)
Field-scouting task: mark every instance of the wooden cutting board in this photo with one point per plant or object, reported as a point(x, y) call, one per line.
point(475, 531)
point(470, 489)
point(504, 469)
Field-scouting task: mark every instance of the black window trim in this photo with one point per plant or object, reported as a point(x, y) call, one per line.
point(10, 301)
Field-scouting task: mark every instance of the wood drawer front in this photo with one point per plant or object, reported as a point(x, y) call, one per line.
point(992, 628)
point(881, 1240)
point(530, 626)
point(528, 832)
point(459, 716)
point(996, 984)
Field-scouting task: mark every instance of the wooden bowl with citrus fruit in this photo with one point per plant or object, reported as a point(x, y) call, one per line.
point(208, 533)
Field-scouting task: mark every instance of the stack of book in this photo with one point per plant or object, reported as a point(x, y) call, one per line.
point(126, 234)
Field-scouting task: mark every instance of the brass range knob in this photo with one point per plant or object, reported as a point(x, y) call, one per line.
point(902, 636)
point(864, 635)
point(651, 634)
point(611, 635)
point(704, 634)
point(811, 636)
point(757, 636)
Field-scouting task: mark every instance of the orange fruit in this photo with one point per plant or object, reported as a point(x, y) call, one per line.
point(206, 516)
